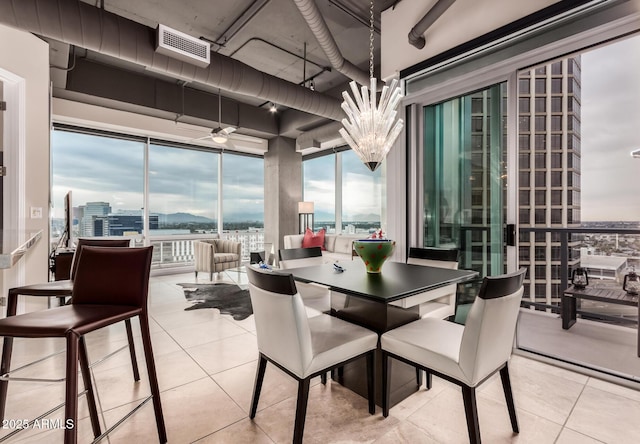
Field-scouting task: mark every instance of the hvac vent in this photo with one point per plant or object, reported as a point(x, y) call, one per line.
point(181, 46)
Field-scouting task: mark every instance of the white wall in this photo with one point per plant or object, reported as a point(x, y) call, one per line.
point(26, 58)
point(463, 21)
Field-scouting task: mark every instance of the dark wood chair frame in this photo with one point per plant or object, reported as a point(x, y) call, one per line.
point(288, 254)
point(304, 385)
point(468, 393)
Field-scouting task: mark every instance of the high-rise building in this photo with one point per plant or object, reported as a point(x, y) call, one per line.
point(549, 171)
point(91, 211)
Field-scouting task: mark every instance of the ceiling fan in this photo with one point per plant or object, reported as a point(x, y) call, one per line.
point(219, 134)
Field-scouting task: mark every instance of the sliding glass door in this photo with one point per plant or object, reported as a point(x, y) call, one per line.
point(464, 178)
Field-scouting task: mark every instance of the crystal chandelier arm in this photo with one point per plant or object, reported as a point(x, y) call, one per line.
point(356, 95)
point(349, 140)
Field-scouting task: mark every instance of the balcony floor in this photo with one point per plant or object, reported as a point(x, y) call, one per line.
point(605, 347)
point(206, 366)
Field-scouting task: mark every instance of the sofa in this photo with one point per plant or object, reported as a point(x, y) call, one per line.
point(216, 255)
point(337, 247)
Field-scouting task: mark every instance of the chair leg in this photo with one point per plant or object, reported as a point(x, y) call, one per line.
point(7, 348)
point(323, 378)
point(428, 380)
point(5, 366)
point(88, 385)
point(371, 391)
point(132, 350)
point(341, 375)
point(471, 412)
point(301, 410)
point(196, 275)
point(71, 390)
point(418, 378)
point(386, 386)
point(508, 394)
point(262, 366)
point(153, 377)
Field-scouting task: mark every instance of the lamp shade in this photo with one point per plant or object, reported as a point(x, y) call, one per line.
point(305, 207)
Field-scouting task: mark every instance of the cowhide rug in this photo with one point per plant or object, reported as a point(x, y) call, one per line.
point(228, 298)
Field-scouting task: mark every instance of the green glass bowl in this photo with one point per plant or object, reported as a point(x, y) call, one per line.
point(374, 252)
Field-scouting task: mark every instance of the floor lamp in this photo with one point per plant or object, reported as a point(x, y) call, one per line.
point(305, 214)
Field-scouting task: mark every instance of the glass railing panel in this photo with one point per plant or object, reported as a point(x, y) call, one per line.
point(605, 334)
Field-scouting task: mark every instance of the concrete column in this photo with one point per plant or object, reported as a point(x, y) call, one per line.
point(282, 190)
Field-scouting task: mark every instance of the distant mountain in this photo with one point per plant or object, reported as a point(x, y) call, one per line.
point(361, 217)
point(182, 218)
point(370, 217)
point(243, 217)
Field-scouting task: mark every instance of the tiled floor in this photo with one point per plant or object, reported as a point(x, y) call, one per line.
point(206, 364)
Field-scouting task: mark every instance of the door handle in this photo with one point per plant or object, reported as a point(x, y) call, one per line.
point(510, 235)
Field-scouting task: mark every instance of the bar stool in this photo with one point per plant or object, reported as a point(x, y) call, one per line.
point(60, 289)
point(110, 286)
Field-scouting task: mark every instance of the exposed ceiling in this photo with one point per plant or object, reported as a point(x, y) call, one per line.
point(260, 49)
point(270, 36)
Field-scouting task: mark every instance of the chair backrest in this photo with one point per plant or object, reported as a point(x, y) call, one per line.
point(112, 276)
point(281, 320)
point(92, 242)
point(434, 257)
point(299, 257)
point(489, 331)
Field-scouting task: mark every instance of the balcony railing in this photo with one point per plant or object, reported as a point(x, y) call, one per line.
point(566, 244)
point(177, 250)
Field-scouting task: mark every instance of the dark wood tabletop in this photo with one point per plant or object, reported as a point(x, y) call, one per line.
point(397, 280)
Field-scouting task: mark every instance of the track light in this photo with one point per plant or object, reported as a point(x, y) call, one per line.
point(273, 107)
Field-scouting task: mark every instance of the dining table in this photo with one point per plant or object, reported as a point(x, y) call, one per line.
point(366, 299)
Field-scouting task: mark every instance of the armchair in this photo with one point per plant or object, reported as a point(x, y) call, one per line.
point(216, 255)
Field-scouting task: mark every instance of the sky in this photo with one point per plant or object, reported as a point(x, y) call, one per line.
point(111, 170)
point(610, 131)
point(362, 189)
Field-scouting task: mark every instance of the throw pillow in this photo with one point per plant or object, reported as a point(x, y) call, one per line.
point(312, 239)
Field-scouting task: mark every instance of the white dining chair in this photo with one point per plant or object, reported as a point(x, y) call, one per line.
point(314, 296)
point(465, 355)
point(440, 302)
point(302, 347)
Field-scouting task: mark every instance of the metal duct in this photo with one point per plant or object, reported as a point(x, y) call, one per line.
point(318, 26)
point(416, 35)
point(314, 137)
point(78, 23)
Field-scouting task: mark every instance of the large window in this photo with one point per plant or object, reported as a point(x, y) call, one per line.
point(356, 191)
point(463, 177)
point(243, 191)
point(362, 195)
point(319, 185)
point(183, 191)
point(105, 175)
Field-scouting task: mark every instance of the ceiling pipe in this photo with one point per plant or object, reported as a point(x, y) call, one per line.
point(416, 35)
point(320, 30)
point(81, 24)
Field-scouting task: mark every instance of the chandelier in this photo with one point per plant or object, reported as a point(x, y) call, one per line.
point(371, 128)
